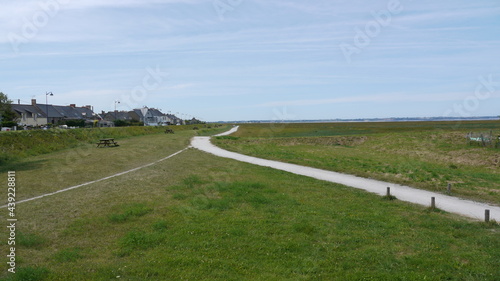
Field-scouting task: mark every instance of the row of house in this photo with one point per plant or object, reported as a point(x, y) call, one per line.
point(149, 116)
point(36, 115)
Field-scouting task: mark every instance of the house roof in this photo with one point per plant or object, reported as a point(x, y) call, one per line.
point(49, 111)
point(120, 115)
point(139, 113)
point(84, 112)
point(54, 111)
point(23, 108)
point(67, 112)
point(70, 112)
point(155, 112)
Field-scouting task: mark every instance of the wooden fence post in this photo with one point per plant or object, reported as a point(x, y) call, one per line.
point(487, 215)
point(449, 188)
point(388, 194)
point(433, 202)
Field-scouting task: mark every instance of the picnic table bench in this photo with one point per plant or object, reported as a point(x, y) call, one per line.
point(107, 143)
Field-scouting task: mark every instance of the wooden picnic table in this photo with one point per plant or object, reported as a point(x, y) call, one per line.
point(107, 143)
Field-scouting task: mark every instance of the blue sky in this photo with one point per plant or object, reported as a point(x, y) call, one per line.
point(223, 60)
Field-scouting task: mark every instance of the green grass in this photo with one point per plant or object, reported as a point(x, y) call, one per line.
point(360, 128)
point(30, 240)
point(426, 155)
point(30, 274)
point(21, 144)
point(129, 211)
point(72, 166)
point(69, 255)
point(199, 217)
point(18, 145)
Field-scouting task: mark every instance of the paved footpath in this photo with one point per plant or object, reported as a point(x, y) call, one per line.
point(450, 204)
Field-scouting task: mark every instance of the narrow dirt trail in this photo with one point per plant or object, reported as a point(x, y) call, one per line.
point(450, 204)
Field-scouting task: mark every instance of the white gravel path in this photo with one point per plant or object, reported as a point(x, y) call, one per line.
point(451, 204)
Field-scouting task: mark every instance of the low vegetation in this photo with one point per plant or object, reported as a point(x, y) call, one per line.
point(21, 144)
point(199, 217)
point(428, 155)
point(18, 145)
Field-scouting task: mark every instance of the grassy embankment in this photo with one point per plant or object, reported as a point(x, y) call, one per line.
point(200, 217)
point(18, 145)
point(77, 148)
point(426, 155)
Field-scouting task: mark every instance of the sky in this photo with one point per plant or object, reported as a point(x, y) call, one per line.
point(228, 60)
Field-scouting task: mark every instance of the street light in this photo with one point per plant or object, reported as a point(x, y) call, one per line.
point(47, 94)
point(116, 101)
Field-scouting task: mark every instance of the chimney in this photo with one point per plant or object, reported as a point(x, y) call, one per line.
point(33, 101)
point(72, 105)
point(18, 101)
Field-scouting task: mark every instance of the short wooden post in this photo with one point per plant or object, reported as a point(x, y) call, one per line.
point(433, 202)
point(449, 188)
point(388, 194)
point(487, 215)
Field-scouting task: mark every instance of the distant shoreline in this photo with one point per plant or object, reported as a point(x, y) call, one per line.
point(392, 119)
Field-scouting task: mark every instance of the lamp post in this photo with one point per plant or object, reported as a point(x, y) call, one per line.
point(47, 94)
point(116, 101)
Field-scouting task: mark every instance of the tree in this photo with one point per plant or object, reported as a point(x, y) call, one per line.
point(7, 115)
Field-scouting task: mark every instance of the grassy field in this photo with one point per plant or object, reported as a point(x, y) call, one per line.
point(76, 148)
point(427, 155)
point(199, 217)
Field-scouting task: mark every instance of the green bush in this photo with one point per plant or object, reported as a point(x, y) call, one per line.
point(9, 124)
point(126, 123)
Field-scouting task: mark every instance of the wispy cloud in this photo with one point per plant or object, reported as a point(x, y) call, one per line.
point(266, 52)
point(182, 86)
point(380, 98)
